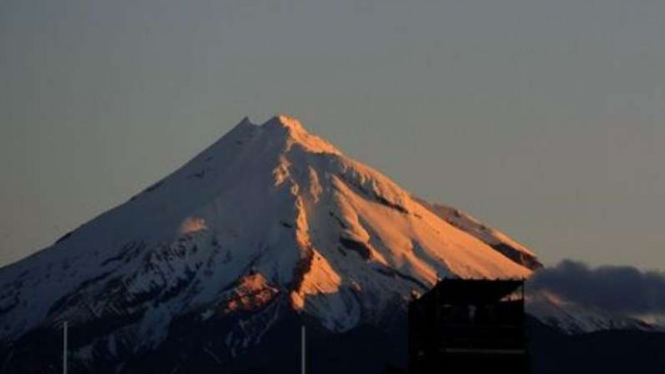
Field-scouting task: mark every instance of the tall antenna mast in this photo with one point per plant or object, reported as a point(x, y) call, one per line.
point(64, 350)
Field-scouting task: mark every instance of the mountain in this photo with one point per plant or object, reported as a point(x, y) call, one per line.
point(572, 319)
point(269, 228)
point(492, 237)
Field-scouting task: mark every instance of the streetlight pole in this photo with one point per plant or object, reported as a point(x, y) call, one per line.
point(302, 345)
point(64, 350)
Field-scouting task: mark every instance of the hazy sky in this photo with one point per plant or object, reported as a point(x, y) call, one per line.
point(546, 119)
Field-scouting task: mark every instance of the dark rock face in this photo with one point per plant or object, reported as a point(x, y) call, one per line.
point(521, 258)
point(356, 246)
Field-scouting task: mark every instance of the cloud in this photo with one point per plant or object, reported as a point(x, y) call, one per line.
point(622, 289)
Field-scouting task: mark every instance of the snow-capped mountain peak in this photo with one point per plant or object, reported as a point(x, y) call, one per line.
point(286, 122)
point(268, 217)
point(291, 131)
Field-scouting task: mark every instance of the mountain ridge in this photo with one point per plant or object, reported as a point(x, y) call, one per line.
point(271, 175)
point(268, 221)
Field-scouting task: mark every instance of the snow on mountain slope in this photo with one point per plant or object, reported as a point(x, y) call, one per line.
point(571, 318)
point(492, 237)
point(269, 213)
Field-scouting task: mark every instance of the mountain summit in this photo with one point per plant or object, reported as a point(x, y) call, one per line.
point(270, 218)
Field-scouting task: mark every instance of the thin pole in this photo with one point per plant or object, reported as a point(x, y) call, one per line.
point(302, 345)
point(64, 351)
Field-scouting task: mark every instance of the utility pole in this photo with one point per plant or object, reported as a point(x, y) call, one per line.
point(302, 345)
point(64, 350)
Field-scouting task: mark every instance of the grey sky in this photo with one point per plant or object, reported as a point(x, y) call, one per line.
point(546, 119)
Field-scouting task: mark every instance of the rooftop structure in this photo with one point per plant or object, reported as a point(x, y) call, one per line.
point(469, 326)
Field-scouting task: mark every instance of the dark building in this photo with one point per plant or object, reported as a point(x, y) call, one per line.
point(469, 326)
